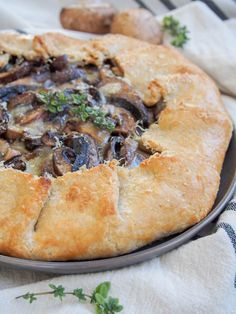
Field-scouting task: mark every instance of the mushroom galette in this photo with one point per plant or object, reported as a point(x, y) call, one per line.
point(105, 145)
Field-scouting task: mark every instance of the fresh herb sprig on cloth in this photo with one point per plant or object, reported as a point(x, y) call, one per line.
point(102, 302)
point(178, 32)
point(56, 101)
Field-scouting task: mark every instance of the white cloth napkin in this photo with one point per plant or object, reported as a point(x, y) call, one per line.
point(198, 277)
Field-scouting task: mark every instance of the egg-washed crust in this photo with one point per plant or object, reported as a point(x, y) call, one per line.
point(110, 210)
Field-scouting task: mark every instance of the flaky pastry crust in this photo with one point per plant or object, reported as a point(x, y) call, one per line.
point(110, 210)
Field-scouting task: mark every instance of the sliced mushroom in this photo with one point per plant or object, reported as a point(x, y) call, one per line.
point(16, 163)
point(41, 74)
point(7, 152)
point(22, 99)
point(114, 150)
point(128, 150)
point(119, 93)
point(86, 152)
point(99, 135)
point(8, 92)
point(11, 153)
point(59, 63)
point(68, 74)
point(58, 121)
point(95, 98)
point(31, 142)
point(63, 159)
point(48, 169)
point(4, 119)
point(16, 72)
point(51, 138)
point(30, 116)
point(13, 133)
point(125, 122)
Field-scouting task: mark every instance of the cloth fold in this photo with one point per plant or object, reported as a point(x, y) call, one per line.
point(199, 277)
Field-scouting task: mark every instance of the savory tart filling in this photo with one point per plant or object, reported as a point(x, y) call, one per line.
point(57, 117)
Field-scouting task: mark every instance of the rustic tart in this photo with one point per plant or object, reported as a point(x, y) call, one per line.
point(106, 145)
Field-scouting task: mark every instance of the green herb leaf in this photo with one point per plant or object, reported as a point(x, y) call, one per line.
point(79, 294)
point(30, 297)
point(113, 305)
point(178, 32)
point(99, 298)
point(96, 115)
point(56, 101)
point(58, 291)
point(103, 288)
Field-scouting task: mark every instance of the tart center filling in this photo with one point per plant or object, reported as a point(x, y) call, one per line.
point(57, 117)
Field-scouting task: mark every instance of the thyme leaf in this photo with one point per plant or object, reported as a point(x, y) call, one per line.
point(178, 32)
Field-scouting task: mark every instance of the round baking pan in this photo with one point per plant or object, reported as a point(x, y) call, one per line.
point(227, 186)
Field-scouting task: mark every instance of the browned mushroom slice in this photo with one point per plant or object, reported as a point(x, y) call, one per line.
point(95, 98)
point(57, 121)
point(114, 150)
point(11, 153)
point(68, 74)
point(128, 150)
point(15, 73)
point(7, 152)
point(125, 122)
point(48, 169)
point(41, 74)
point(8, 92)
point(86, 152)
point(63, 159)
point(4, 119)
point(59, 63)
point(30, 116)
point(121, 94)
point(23, 99)
point(13, 133)
point(32, 142)
point(16, 162)
point(99, 135)
point(50, 138)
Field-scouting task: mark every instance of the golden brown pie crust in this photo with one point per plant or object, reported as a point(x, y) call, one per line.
point(110, 210)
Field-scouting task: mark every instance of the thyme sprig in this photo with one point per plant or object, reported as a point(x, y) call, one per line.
point(103, 303)
point(177, 31)
point(56, 101)
point(96, 115)
point(77, 104)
